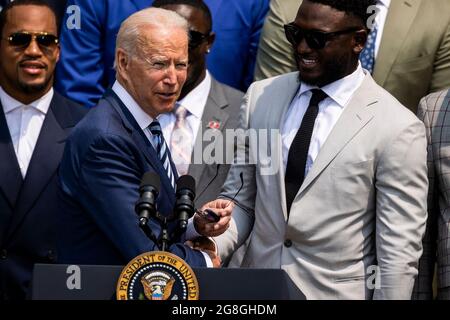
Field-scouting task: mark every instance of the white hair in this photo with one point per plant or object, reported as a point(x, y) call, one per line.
point(130, 29)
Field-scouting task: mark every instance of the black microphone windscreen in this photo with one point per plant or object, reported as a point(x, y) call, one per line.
point(186, 182)
point(151, 178)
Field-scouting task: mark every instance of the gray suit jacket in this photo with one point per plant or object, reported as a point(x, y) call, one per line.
point(434, 111)
point(414, 55)
point(362, 205)
point(209, 172)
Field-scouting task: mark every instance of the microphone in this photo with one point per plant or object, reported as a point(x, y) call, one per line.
point(184, 204)
point(148, 192)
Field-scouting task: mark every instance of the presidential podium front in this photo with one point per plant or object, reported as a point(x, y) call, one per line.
point(95, 282)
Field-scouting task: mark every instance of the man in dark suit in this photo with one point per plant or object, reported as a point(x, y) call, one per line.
point(207, 105)
point(120, 140)
point(34, 124)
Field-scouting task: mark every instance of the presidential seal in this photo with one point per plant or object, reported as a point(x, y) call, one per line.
point(157, 275)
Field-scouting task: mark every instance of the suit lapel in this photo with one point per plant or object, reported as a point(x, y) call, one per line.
point(141, 140)
point(11, 177)
point(351, 121)
point(278, 112)
point(214, 111)
point(399, 20)
point(45, 160)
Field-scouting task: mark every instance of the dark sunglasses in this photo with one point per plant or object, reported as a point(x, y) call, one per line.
point(23, 39)
point(315, 39)
point(196, 38)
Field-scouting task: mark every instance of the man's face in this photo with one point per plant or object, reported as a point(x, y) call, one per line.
point(339, 56)
point(197, 53)
point(154, 77)
point(27, 70)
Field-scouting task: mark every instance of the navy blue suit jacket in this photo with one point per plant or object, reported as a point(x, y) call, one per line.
point(28, 207)
point(85, 69)
point(102, 167)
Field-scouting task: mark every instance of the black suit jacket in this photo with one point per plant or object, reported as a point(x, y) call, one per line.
point(28, 206)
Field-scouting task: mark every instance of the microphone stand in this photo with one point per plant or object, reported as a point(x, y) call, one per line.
point(164, 239)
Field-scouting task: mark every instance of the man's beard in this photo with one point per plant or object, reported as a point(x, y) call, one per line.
point(333, 71)
point(33, 88)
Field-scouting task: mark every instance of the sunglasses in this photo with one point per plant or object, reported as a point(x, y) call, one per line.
point(315, 39)
point(196, 38)
point(23, 39)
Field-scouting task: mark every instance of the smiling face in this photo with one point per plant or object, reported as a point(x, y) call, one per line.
point(155, 76)
point(26, 72)
point(339, 57)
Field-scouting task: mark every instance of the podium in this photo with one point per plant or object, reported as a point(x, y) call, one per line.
point(95, 282)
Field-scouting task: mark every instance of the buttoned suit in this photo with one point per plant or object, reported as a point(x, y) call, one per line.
point(362, 204)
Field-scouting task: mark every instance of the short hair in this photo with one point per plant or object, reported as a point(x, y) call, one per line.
point(16, 3)
point(199, 4)
point(357, 8)
point(130, 30)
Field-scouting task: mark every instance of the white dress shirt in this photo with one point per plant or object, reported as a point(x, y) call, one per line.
point(339, 94)
point(141, 117)
point(194, 102)
point(25, 123)
point(380, 20)
point(144, 120)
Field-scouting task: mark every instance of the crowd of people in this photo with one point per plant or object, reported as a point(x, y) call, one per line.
point(351, 99)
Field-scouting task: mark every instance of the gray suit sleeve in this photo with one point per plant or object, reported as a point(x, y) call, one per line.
point(243, 213)
point(402, 185)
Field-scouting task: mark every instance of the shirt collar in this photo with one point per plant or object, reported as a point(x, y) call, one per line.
point(341, 90)
point(195, 101)
point(10, 104)
point(141, 117)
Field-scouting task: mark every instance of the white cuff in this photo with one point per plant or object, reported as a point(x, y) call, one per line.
point(208, 260)
point(191, 233)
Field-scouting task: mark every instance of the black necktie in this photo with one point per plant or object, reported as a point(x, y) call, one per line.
point(298, 152)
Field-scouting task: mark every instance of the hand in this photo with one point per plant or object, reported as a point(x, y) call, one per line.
point(208, 246)
point(223, 208)
point(214, 258)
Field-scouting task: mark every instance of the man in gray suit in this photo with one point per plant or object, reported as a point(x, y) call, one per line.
point(344, 214)
point(204, 104)
point(433, 111)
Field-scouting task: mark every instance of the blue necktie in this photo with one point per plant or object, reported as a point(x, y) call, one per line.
point(367, 56)
point(162, 150)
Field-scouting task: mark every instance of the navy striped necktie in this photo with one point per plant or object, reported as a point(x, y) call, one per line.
point(162, 150)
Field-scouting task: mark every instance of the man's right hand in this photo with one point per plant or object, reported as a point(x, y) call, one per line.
point(223, 208)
